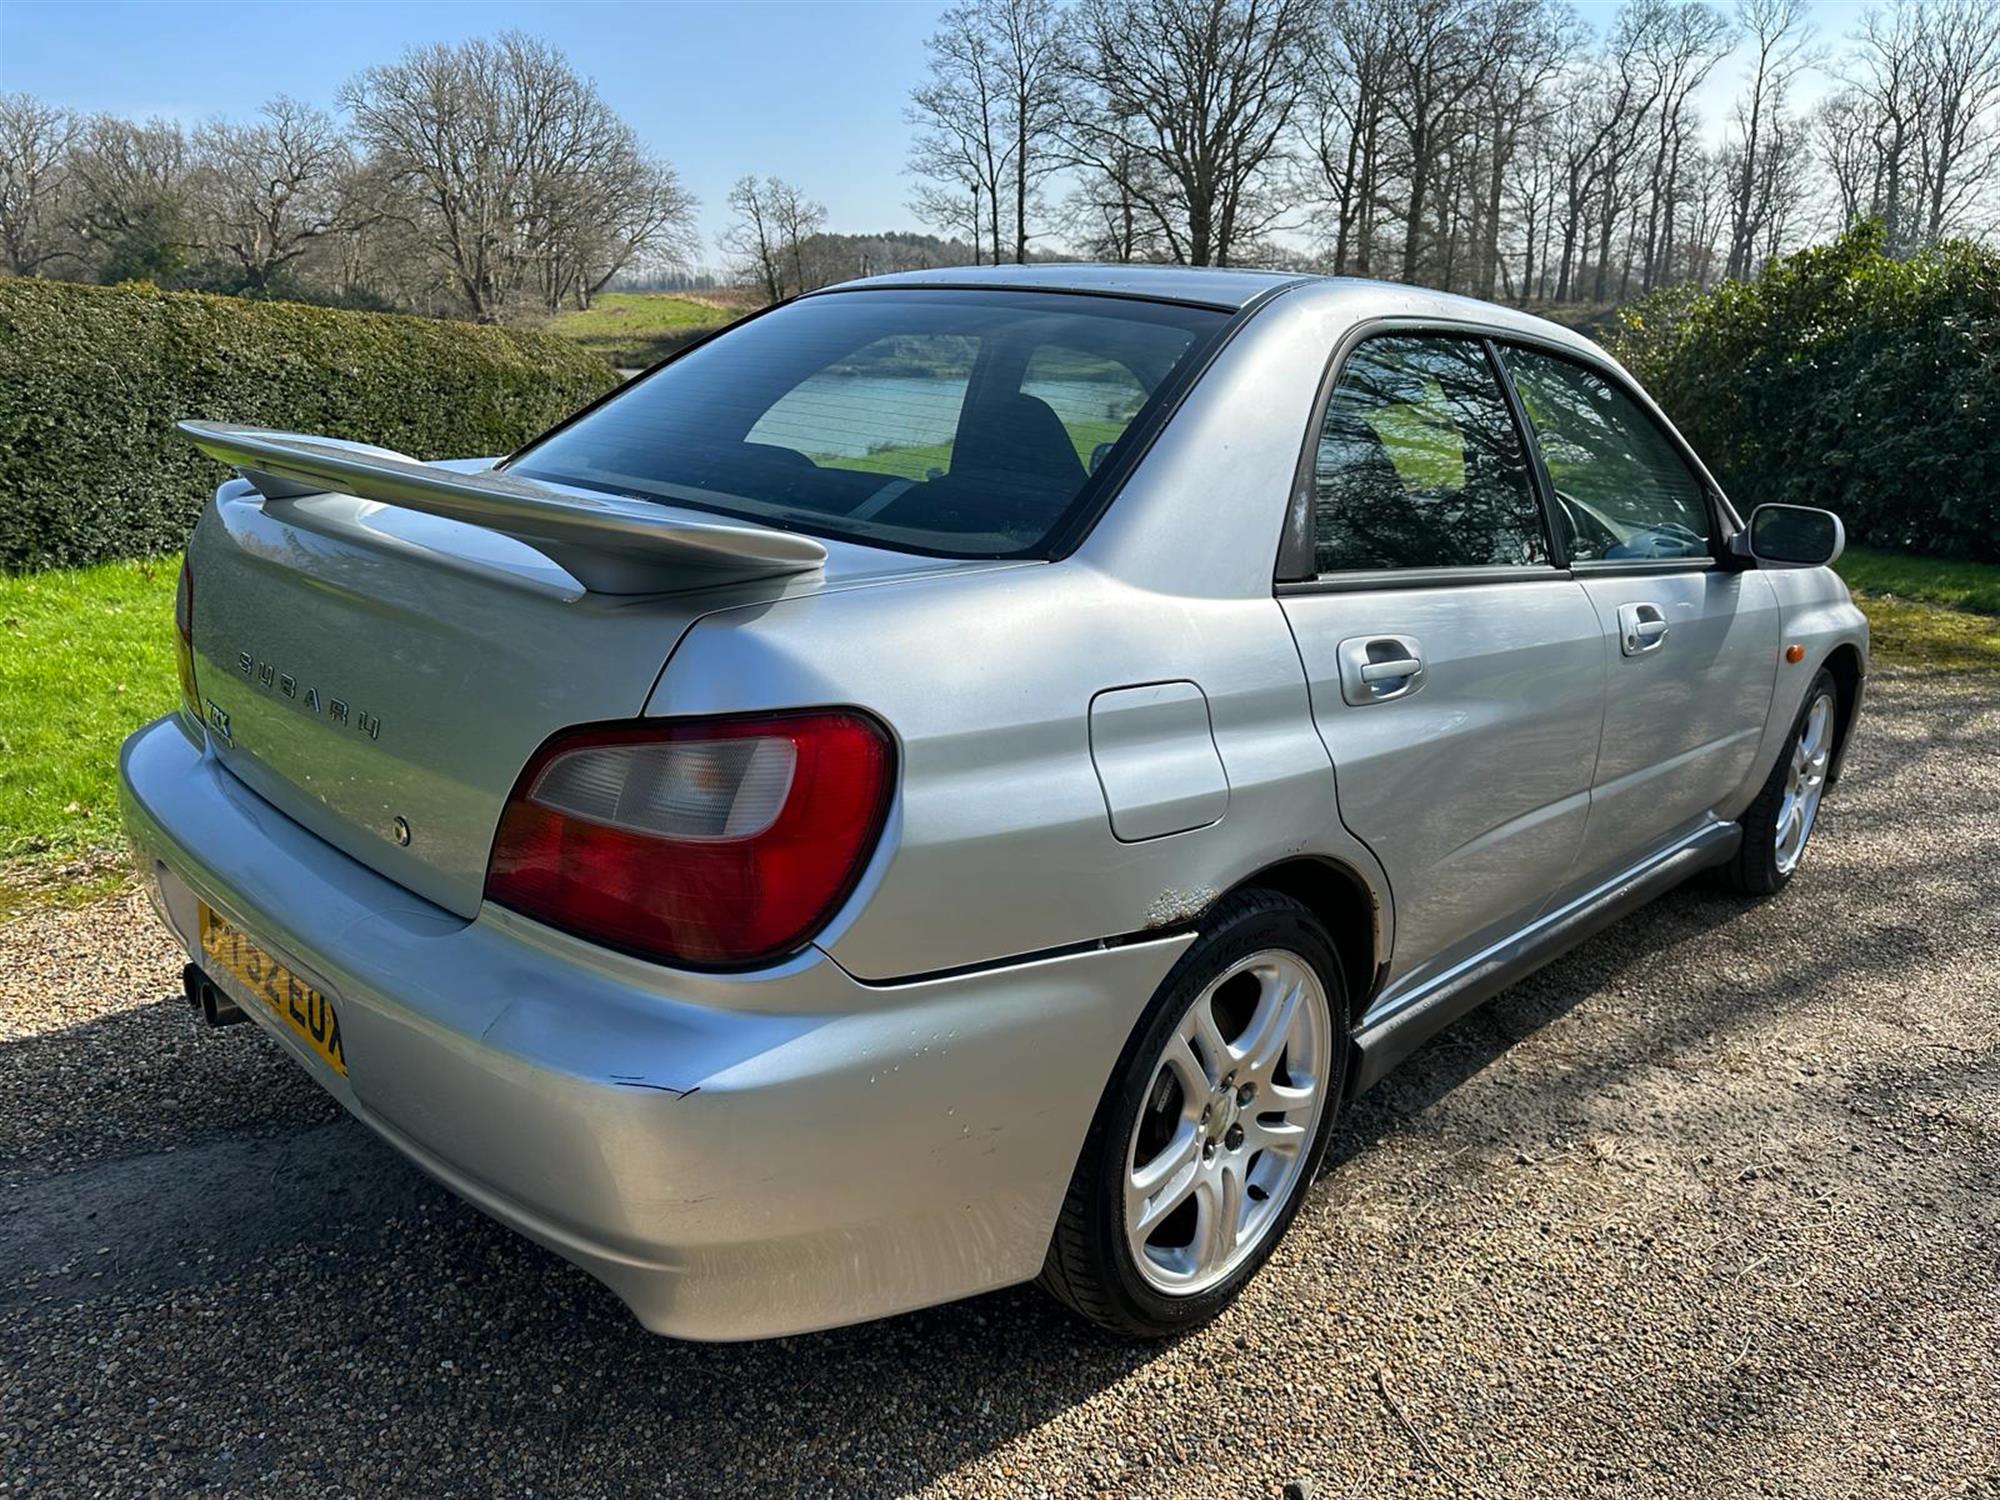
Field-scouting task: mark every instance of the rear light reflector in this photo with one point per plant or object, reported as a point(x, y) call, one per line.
point(718, 843)
point(184, 639)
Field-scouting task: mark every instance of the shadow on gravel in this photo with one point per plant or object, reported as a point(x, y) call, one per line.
point(414, 1332)
point(430, 1320)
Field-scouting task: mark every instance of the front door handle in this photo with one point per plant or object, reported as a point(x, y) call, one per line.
point(1641, 628)
point(1378, 668)
point(1384, 671)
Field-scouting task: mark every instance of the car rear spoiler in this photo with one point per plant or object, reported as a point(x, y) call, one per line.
point(608, 543)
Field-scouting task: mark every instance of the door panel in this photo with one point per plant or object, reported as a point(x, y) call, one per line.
point(1691, 650)
point(1471, 785)
point(1684, 713)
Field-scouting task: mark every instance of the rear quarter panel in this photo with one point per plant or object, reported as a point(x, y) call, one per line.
point(1001, 842)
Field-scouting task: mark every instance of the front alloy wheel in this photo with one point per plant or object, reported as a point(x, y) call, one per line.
point(1777, 826)
point(1805, 783)
point(1209, 1133)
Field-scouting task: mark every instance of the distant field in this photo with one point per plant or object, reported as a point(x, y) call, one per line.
point(636, 329)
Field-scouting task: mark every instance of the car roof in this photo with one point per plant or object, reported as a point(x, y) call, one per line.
point(1212, 286)
point(1232, 289)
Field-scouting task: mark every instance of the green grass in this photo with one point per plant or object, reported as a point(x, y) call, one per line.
point(635, 329)
point(1925, 580)
point(86, 656)
point(1931, 636)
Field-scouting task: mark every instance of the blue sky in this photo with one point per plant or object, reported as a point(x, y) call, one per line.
point(813, 92)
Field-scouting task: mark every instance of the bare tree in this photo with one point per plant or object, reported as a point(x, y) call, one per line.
point(507, 159)
point(1587, 123)
point(132, 204)
point(769, 241)
point(1886, 89)
point(1780, 39)
point(1105, 215)
point(989, 113)
point(752, 241)
point(963, 138)
point(1960, 66)
point(1344, 123)
point(1841, 135)
point(1197, 95)
point(1528, 43)
point(1033, 44)
point(594, 218)
point(34, 173)
point(1533, 192)
point(1434, 66)
point(267, 191)
point(1680, 52)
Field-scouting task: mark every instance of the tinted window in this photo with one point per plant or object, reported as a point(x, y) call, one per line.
point(1622, 490)
point(1420, 465)
point(890, 407)
point(967, 423)
point(1095, 397)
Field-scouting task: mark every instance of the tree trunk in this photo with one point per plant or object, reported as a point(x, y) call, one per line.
point(1413, 233)
point(1020, 181)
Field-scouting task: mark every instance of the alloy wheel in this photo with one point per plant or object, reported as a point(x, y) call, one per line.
point(1228, 1122)
point(1805, 783)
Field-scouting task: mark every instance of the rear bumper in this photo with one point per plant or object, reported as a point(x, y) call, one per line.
point(736, 1156)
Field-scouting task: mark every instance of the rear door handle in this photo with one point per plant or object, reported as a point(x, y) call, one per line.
point(1641, 628)
point(1378, 668)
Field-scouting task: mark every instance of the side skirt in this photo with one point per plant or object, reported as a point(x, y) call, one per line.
point(1416, 1018)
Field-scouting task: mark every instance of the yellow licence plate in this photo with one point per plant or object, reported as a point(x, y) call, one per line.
point(291, 999)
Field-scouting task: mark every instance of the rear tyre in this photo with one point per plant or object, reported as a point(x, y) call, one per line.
point(1211, 1130)
point(1779, 824)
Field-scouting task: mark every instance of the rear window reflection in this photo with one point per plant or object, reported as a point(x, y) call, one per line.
point(962, 423)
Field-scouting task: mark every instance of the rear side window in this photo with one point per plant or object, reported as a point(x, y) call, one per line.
point(968, 424)
point(1623, 492)
point(1420, 465)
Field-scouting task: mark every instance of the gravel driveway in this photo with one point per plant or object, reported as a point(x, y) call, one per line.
point(1711, 1207)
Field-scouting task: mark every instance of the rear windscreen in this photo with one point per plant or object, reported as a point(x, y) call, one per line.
point(968, 424)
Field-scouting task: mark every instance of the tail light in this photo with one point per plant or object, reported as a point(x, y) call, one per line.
point(184, 640)
point(710, 844)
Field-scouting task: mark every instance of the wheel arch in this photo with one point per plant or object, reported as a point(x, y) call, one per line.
point(1848, 669)
point(1344, 902)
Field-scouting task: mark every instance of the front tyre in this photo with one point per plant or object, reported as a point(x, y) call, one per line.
point(1779, 823)
point(1210, 1132)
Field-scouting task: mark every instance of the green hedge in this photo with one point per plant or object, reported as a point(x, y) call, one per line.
point(92, 380)
point(1843, 378)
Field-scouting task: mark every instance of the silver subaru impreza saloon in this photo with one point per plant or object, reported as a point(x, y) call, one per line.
point(956, 779)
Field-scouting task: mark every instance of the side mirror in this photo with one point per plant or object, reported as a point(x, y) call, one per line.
point(1789, 536)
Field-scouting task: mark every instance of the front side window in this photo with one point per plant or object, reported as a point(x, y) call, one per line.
point(1419, 464)
point(1623, 492)
point(952, 422)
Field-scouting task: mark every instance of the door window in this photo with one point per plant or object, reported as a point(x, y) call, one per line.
point(1623, 492)
point(1419, 463)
